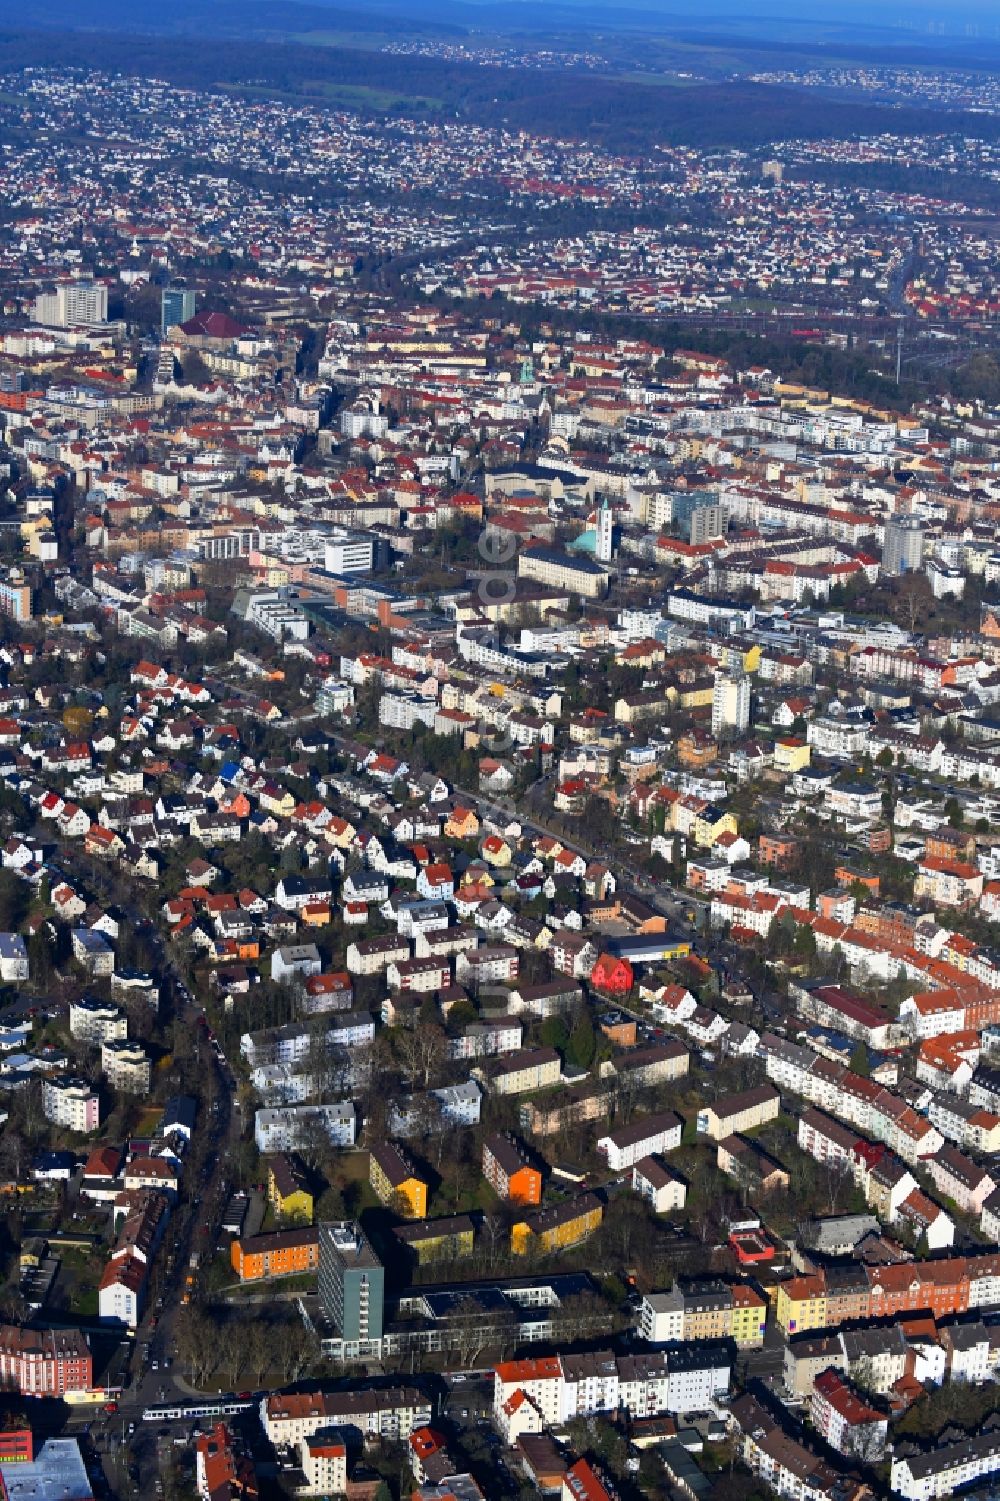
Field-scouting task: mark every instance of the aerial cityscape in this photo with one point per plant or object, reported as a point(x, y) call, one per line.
point(499, 752)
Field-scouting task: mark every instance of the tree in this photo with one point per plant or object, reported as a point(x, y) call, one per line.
point(859, 1059)
point(13, 901)
point(194, 369)
point(781, 939)
point(468, 1325)
point(260, 1350)
point(582, 1042)
point(232, 1348)
point(297, 1350)
point(13, 1152)
point(953, 813)
point(581, 1316)
point(196, 1340)
point(837, 1182)
point(553, 1033)
point(804, 942)
point(421, 1050)
point(462, 1014)
point(330, 1204)
point(40, 957)
point(77, 721)
point(494, 1237)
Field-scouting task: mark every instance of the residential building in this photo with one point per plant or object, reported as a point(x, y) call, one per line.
point(730, 704)
point(71, 1103)
point(45, 1362)
point(517, 1073)
point(555, 1228)
point(654, 1181)
point(127, 1066)
point(394, 1179)
point(281, 1253)
point(287, 1129)
point(849, 1424)
point(288, 1192)
point(121, 1293)
point(903, 545)
point(509, 1171)
point(624, 1147)
point(390, 1413)
point(946, 1468)
point(97, 1021)
point(444, 1239)
point(739, 1112)
point(351, 1285)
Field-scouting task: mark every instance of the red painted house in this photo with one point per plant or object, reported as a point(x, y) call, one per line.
point(612, 975)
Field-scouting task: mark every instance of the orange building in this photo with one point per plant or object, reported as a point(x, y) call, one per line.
point(696, 750)
point(947, 843)
point(942, 1288)
point(280, 1254)
point(509, 1172)
point(619, 1028)
point(558, 1227)
point(848, 875)
point(779, 850)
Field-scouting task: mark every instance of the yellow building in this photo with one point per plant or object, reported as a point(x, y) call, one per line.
point(277, 800)
point(396, 1182)
point(557, 1228)
point(698, 696)
point(525, 1070)
point(791, 755)
point(438, 1240)
point(496, 851)
point(736, 656)
point(340, 833)
point(802, 1304)
point(710, 824)
point(749, 1316)
point(462, 823)
point(287, 1191)
point(38, 535)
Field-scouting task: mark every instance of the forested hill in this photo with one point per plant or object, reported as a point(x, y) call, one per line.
point(626, 115)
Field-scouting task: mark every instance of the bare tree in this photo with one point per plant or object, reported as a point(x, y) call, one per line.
point(495, 1230)
point(33, 1112)
point(314, 1141)
point(196, 1339)
point(421, 1050)
point(580, 1316)
point(625, 1096)
point(837, 1182)
point(13, 1150)
point(260, 1350)
point(232, 1348)
point(468, 1328)
point(297, 1349)
point(505, 1332)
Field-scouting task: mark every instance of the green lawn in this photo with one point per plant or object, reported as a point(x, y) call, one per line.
point(475, 1195)
point(84, 1302)
point(297, 1282)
